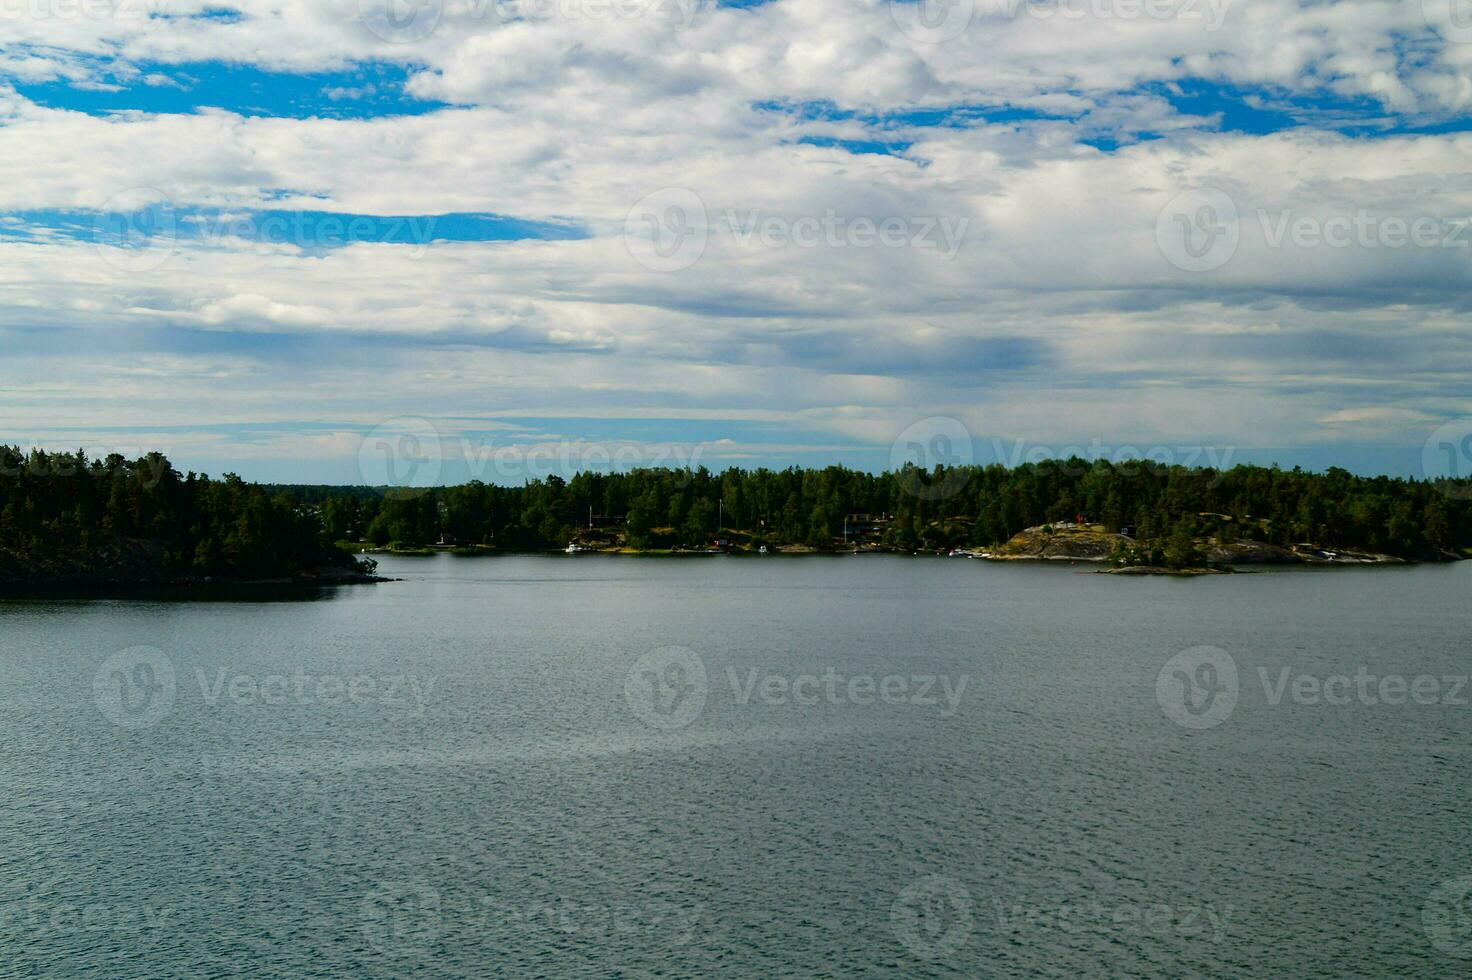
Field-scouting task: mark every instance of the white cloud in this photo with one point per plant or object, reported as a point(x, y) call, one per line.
point(1058, 298)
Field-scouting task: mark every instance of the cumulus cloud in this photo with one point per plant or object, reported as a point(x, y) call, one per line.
point(1012, 221)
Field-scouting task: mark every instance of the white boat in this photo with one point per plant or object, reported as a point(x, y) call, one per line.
point(762, 550)
point(574, 548)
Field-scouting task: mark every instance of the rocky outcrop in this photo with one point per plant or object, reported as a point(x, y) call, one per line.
point(1091, 542)
point(1059, 542)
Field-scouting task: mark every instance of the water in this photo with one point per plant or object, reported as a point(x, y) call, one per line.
point(890, 766)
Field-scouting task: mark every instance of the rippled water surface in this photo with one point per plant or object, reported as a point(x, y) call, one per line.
point(598, 766)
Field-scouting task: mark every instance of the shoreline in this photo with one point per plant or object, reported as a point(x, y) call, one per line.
point(309, 588)
point(313, 582)
point(83, 586)
point(1295, 561)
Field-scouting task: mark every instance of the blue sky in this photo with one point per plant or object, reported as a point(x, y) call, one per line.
point(261, 236)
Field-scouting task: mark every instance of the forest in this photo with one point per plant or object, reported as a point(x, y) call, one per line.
point(66, 517)
point(66, 508)
point(911, 510)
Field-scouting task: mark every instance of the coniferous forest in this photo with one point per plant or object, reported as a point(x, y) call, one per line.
point(67, 519)
point(65, 516)
point(914, 510)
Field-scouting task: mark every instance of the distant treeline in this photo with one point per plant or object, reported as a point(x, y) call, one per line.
point(65, 515)
point(911, 509)
point(66, 504)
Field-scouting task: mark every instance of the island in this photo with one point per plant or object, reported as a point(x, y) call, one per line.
point(1217, 544)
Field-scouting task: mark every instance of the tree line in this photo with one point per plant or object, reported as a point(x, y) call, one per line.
point(81, 511)
point(913, 509)
point(66, 503)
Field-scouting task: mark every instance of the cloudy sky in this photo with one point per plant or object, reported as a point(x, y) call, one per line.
point(278, 236)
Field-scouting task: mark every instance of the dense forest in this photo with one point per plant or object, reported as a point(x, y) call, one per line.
point(63, 515)
point(66, 518)
point(912, 510)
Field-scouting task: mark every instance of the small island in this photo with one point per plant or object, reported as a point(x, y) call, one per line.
point(1205, 544)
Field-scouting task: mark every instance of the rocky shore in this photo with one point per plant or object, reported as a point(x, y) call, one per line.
point(1092, 543)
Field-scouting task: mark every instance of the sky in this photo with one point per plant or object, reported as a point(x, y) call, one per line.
point(424, 241)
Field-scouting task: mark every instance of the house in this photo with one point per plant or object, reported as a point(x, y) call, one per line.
point(866, 523)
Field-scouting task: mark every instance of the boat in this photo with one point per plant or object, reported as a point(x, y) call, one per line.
point(762, 550)
point(573, 548)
